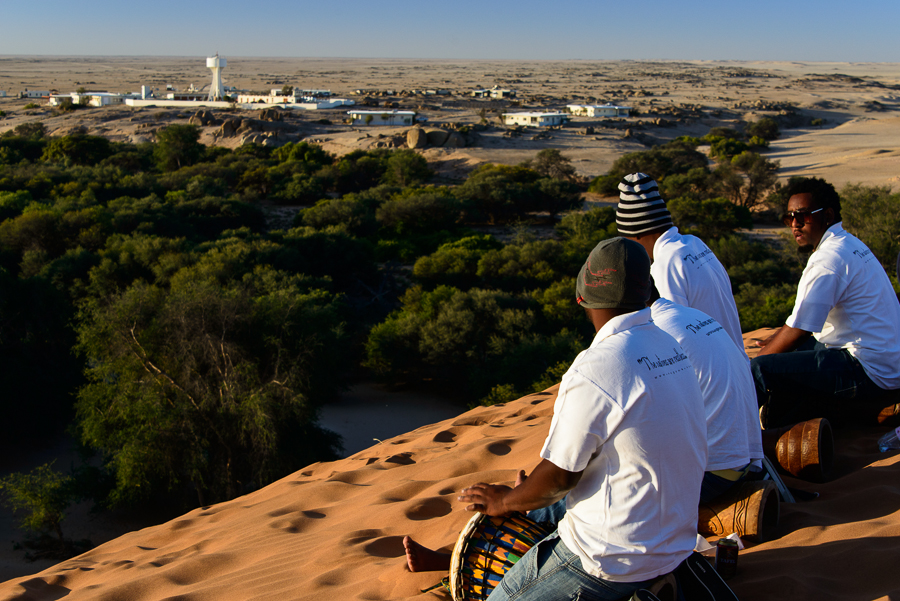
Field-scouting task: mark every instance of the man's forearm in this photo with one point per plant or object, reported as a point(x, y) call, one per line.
point(546, 485)
point(785, 340)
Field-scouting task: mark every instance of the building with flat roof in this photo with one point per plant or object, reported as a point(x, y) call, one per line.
point(599, 110)
point(391, 117)
point(535, 119)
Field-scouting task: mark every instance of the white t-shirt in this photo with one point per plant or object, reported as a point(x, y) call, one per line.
point(629, 414)
point(732, 416)
point(846, 298)
point(687, 272)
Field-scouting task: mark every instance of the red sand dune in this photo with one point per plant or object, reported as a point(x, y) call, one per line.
point(334, 530)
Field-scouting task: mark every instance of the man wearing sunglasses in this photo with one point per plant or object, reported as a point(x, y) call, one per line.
point(838, 354)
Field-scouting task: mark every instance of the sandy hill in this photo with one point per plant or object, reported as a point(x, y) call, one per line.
point(334, 530)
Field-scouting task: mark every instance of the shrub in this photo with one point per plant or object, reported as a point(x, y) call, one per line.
point(607, 185)
point(872, 213)
point(746, 178)
point(43, 495)
point(764, 306)
point(581, 231)
point(421, 212)
point(549, 162)
point(725, 148)
point(765, 128)
point(659, 162)
point(454, 263)
point(709, 219)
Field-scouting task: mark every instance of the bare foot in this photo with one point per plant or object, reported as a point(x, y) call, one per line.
point(423, 559)
point(521, 477)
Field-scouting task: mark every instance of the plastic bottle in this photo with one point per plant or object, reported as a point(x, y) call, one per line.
point(890, 441)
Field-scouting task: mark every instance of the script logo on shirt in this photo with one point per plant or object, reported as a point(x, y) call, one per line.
point(696, 328)
point(661, 363)
point(862, 254)
point(694, 259)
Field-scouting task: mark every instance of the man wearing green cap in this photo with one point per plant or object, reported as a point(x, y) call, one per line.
point(626, 449)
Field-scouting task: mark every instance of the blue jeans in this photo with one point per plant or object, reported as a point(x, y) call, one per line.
point(551, 572)
point(812, 382)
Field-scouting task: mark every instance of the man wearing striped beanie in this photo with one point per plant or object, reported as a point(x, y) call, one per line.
point(684, 269)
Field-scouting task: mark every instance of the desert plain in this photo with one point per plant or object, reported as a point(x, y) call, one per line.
point(334, 530)
point(857, 104)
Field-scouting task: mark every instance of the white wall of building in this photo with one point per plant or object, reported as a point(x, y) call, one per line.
point(392, 117)
point(535, 119)
point(599, 110)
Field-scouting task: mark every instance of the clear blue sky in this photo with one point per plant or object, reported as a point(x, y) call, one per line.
point(825, 30)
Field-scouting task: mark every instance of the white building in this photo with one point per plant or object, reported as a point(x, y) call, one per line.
point(35, 94)
point(534, 119)
point(494, 92)
point(392, 117)
point(2, 93)
point(599, 110)
point(276, 97)
point(90, 98)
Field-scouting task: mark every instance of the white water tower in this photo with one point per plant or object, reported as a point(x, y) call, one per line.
point(216, 64)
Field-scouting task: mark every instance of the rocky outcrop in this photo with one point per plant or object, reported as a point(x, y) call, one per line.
point(202, 118)
point(416, 138)
point(229, 127)
point(455, 140)
point(436, 137)
point(271, 114)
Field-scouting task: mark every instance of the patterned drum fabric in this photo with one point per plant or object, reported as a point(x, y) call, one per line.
point(486, 549)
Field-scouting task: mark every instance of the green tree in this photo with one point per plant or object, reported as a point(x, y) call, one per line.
point(43, 495)
point(709, 219)
point(178, 146)
point(499, 193)
point(766, 128)
point(746, 178)
point(78, 149)
point(405, 168)
point(549, 162)
point(212, 385)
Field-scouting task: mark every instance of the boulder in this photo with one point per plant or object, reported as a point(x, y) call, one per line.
point(416, 138)
point(455, 140)
point(437, 137)
point(271, 114)
point(229, 127)
point(203, 118)
point(247, 126)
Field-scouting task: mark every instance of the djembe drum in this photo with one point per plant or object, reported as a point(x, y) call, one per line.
point(486, 549)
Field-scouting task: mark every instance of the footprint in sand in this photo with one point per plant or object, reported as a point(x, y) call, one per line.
point(427, 509)
point(388, 546)
point(499, 448)
point(401, 459)
point(444, 436)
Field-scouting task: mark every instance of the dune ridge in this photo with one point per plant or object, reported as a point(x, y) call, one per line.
point(334, 530)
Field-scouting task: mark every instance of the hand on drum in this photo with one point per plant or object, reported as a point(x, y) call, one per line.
point(486, 498)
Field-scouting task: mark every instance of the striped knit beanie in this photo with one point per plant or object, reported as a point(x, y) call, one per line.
point(641, 209)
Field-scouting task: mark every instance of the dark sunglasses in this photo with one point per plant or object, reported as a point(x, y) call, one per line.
point(800, 216)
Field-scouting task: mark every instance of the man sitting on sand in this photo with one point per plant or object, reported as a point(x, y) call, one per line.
point(839, 351)
point(626, 449)
point(733, 435)
point(684, 269)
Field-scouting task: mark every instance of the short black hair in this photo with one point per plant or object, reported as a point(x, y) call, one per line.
point(822, 193)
